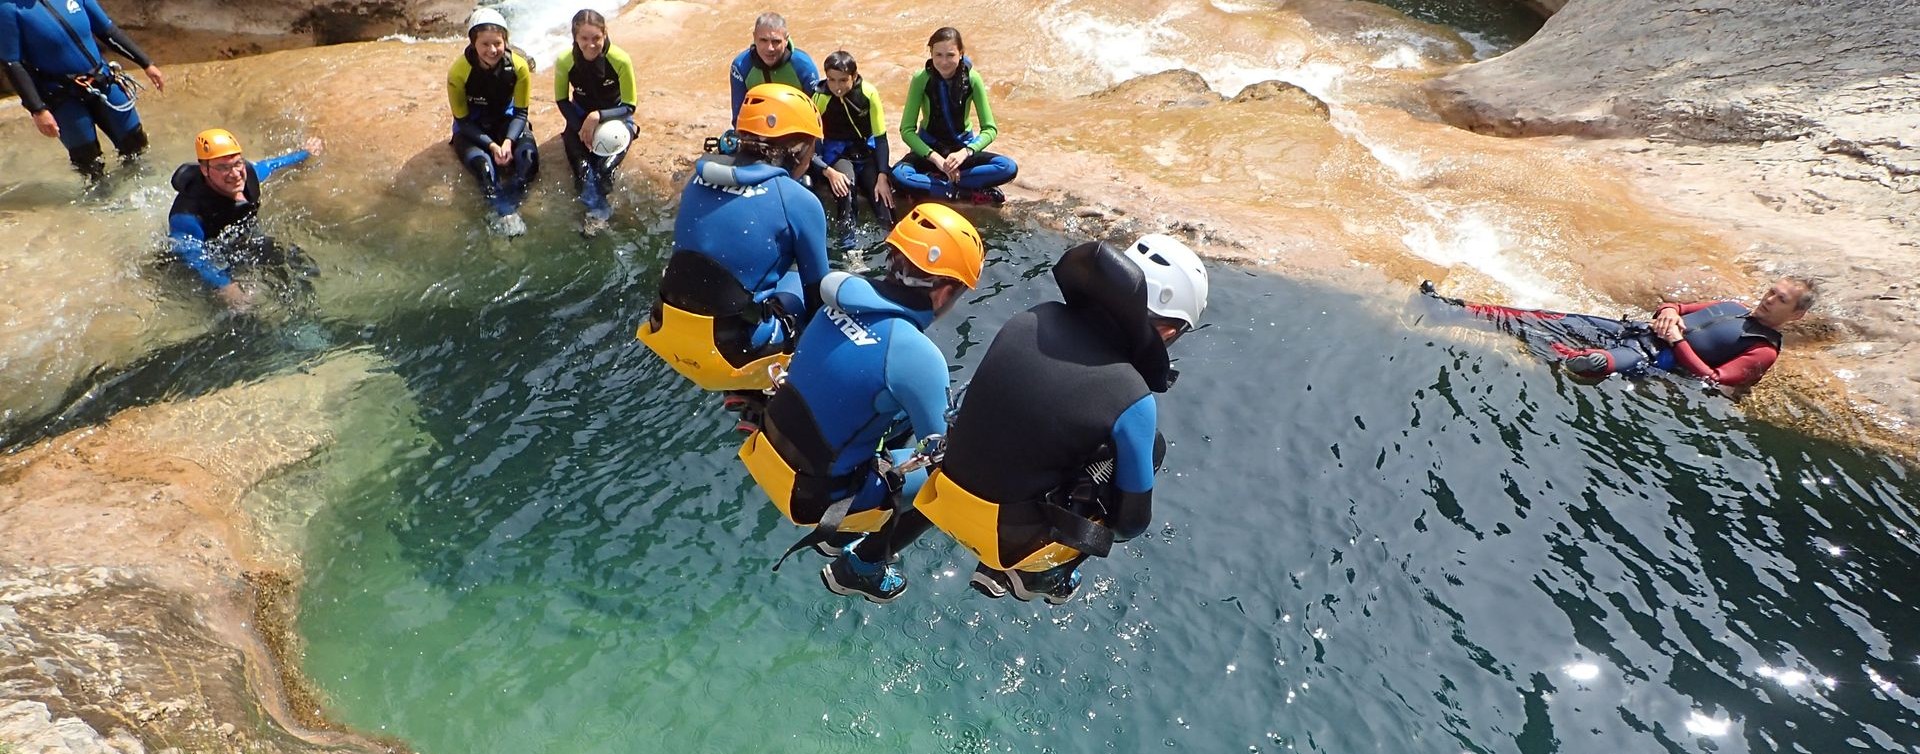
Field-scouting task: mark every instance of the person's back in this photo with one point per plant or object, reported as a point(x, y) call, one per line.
point(754, 219)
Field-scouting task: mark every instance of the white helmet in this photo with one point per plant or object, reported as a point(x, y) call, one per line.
point(482, 16)
point(1176, 280)
point(611, 138)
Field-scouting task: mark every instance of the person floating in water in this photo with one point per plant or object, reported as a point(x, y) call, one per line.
point(864, 382)
point(1725, 342)
point(51, 52)
point(852, 159)
point(946, 161)
point(214, 228)
point(1051, 458)
point(594, 86)
point(750, 248)
point(771, 60)
point(490, 87)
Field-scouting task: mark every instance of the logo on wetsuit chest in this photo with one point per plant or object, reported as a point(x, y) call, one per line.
point(852, 329)
point(73, 6)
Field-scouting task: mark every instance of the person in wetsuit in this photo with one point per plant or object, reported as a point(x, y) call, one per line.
point(865, 380)
point(771, 60)
point(1724, 342)
point(852, 160)
point(1051, 458)
point(594, 85)
point(51, 52)
point(945, 159)
point(489, 88)
point(750, 248)
point(214, 227)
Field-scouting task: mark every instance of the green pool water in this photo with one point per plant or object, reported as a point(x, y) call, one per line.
point(1376, 531)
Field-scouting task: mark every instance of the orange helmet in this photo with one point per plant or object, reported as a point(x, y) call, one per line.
point(215, 143)
point(940, 242)
point(772, 110)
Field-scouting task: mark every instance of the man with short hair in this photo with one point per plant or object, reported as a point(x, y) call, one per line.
point(51, 52)
point(213, 226)
point(771, 60)
point(1724, 342)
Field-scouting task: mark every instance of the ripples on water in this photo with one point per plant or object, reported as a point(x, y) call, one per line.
point(1374, 534)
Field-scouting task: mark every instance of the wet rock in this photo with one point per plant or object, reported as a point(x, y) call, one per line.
point(326, 21)
point(1283, 93)
point(150, 608)
point(1176, 88)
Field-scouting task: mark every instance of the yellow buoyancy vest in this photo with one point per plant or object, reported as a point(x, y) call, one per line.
point(777, 478)
point(975, 523)
point(685, 341)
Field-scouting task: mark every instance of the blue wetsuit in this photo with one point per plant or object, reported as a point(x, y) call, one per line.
point(796, 70)
point(864, 372)
point(760, 224)
point(42, 61)
point(204, 229)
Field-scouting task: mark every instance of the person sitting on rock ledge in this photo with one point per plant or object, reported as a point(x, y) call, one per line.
point(213, 226)
point(771, 60)
point(1724, 342)
point(490, 88)
point(945, 161)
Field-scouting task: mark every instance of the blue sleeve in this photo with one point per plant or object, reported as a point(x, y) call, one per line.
point(916, 375)
point(1133, 436)
point(189, 241)
point(738, 79)
point(10, 35)
point(267, 167)
point(807, 72)
point(809, 223)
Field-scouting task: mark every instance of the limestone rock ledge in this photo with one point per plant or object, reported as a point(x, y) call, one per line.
point(142, 607)
point(1794, 126)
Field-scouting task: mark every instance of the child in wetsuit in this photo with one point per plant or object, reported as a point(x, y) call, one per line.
point(852, 159)
point(946, 160)
point(489, 88)
point(594, 86)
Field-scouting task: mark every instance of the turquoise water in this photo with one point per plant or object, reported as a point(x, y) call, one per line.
point(1375, 532)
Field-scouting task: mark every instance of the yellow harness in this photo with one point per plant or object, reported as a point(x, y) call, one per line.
point(975, 523)
point(776, 477)
point(685, 341)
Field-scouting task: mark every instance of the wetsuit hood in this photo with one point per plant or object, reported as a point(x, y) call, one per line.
point(1097, 279)
point(187, 175)
point(856, 295)
point(720, 170)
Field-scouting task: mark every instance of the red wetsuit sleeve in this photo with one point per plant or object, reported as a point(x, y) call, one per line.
point(1686, 309)
point(1744, 369)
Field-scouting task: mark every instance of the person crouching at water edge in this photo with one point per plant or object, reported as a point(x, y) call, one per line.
point(946, 161)
point(852, 159)
point(1052, 456)
point(771, 60)
point(1724, 342)
point(594, 86)
point(51, 55)
point(489, 88)
point(214, 228)
point(750, 248)
point(865, 380)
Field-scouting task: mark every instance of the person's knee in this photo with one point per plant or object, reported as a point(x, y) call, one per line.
point(133, 142)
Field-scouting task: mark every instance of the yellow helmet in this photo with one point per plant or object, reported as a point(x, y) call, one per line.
point(215, 143)
point(772, 110)
point(940, 242)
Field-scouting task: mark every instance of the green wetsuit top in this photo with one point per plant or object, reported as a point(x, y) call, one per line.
point(604, 84)
point(936, 112)
point(490, 104)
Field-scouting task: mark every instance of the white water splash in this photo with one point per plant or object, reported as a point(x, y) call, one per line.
point(542, 28)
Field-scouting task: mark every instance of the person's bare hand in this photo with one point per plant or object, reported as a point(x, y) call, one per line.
point(839, 182)
point(588, 125)
point(883, 191)
point(234, 297)
point(502, 153)
point(159, 81)
point(44, 121)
